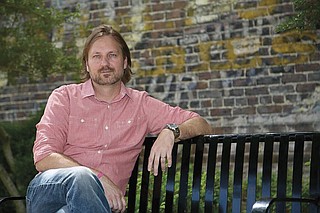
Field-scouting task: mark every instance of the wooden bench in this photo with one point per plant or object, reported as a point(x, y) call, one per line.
point(232, 173)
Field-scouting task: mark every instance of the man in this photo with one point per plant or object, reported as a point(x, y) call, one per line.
point(91, 133)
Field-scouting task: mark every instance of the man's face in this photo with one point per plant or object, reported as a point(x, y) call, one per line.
point(105, 61)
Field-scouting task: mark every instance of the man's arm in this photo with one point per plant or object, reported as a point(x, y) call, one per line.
point(55, 161)
point(194, 127)
point(161, 151)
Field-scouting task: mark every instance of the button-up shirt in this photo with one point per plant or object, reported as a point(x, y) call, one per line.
point(104, 136)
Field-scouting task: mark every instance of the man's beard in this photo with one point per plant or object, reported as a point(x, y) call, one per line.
point(106, 76)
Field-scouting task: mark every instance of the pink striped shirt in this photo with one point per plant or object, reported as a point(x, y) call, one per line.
point(104, 136)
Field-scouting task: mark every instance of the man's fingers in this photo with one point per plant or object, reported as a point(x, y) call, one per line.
point(155, 166)
point(154, 163)
point(121, 204)
point(110, 204)
point(150, 163)
point(163, 163)
point(124, 205)
point(169, 160)
point(118, 204)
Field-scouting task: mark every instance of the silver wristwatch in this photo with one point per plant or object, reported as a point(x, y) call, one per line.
point(175, 129)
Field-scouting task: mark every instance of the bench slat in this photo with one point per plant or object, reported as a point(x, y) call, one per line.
point(224, 178)
point(211, 171)
point(171, 181)
point(184, 177)
point(282, 170)
point(267, 166)
point(253, 169)
point(238, 175)
point(157, 181)
point(197, 172)
point(297, 172)
point(145, 180)
point(133, 188)
point(315, 171)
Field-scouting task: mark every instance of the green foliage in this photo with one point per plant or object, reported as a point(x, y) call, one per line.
point(28, 32)
point(306, 17)
point(22, 134)
point(305, 191)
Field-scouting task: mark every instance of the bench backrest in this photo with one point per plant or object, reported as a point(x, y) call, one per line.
point(228, 173)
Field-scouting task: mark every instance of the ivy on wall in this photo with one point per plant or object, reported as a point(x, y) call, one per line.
point(306, 17)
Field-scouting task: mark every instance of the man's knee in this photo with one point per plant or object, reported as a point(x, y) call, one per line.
point(81, 172)
point(83, 177)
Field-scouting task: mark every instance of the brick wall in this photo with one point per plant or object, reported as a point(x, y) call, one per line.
point(221, 59)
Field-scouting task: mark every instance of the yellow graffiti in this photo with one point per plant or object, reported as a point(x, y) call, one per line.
point(253, 13)
point(268, 3)
point(238, 53)
point(265, 7)
point(294, 42)
point(172, 59)
point(289, 60)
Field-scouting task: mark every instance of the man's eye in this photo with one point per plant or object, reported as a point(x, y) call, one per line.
point(113, 55)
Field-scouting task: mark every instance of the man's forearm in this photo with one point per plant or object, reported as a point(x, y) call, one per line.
point(194, 127)
point(55, 161)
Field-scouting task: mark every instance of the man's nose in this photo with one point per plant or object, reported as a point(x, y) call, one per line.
point(105, 61)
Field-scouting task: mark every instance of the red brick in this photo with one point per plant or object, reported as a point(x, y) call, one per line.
point(308, 67)
point(306, 87)
point(269, 109)
point(288, 78)
point(278, 99)
point(220, 112)
point(202, 85)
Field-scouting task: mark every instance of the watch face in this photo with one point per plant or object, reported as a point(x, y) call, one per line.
point(175, 129)
point(173, 126)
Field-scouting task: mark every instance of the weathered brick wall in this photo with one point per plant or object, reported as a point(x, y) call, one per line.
point(221, 59)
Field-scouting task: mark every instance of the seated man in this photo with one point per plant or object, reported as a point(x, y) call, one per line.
point(91, 133)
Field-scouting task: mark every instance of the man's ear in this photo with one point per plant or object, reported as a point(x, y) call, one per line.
point(125, 63)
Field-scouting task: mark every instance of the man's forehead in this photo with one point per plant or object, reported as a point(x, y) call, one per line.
point(104, 44)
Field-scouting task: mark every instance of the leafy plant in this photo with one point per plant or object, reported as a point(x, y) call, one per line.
point(306, 17)
point(16, 160)
point(29, 32)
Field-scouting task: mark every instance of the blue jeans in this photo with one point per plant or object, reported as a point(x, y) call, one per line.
point(75, 189)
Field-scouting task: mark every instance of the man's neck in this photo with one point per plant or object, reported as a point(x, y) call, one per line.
point(107, 93)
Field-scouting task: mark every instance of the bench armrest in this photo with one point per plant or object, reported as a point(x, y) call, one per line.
point(4, 199)
point(264, 205)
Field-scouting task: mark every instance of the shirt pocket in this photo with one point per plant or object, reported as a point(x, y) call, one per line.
point(83, 132)
point(129, 131)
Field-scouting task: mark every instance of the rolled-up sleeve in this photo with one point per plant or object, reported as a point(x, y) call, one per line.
point(53, 126)
point(160, 114)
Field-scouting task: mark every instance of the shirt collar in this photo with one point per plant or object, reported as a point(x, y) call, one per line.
point(87, 91)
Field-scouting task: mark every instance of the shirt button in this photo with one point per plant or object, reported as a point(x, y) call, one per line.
point(82, 120)
point(108, 106)
point(106, 145)
point(99, 151)
point(106, 127)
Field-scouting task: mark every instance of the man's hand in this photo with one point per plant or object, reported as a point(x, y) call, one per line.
point(161, 151)
point(114, 195)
